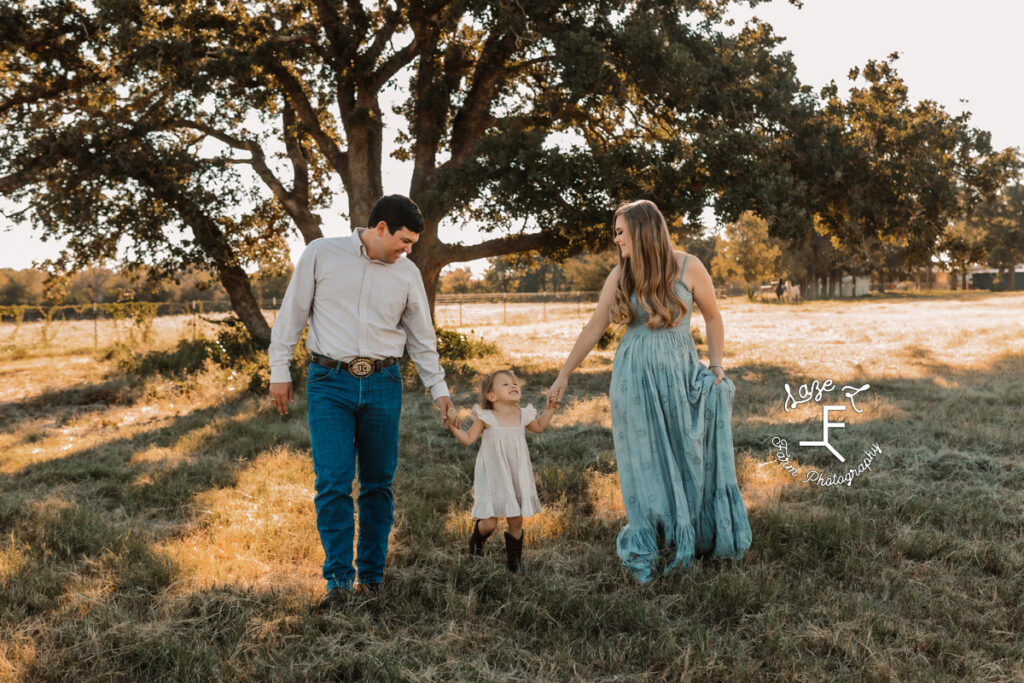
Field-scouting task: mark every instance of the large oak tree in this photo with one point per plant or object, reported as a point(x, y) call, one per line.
point(129, 124)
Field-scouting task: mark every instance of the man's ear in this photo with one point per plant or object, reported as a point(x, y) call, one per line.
point(382, 229)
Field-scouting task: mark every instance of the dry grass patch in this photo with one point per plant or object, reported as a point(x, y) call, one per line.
point(162, 528)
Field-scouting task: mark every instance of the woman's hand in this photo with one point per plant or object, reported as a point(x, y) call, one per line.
point(552, 402)
point(719, 374)
point(557, 391)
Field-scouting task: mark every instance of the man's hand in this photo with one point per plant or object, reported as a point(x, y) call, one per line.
point(281, 396)
point(453, 418)
point(444, 406)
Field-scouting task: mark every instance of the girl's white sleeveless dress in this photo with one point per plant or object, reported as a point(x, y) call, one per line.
point(503, 483)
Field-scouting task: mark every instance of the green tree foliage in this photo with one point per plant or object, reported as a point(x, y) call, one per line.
point(893, 173)
point(21, 286)
point(458, 281)
point(1003, 223)
point(141, 124)
point(963, 244)
point(746, 253)
point(587, 272)
point(103, 285)
point(531, 272)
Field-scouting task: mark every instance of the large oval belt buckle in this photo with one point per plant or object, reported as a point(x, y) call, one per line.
point(360, 367)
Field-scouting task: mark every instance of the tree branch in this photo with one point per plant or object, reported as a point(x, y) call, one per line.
point(489, 75)
point(309, 119)
point(296, 154)
point(393, 64)
point(499, 246)
point(295, 203)
point(15, 181)
point(206, 129)
point(55, 90)
point(382, 36)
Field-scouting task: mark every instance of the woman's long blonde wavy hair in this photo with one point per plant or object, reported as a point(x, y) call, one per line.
point(651, 269)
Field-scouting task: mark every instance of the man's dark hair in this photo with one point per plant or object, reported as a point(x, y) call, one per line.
point(398, 211)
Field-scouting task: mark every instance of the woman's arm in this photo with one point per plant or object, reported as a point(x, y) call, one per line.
point(588, 337)
point(704, 296)
point(465, 437)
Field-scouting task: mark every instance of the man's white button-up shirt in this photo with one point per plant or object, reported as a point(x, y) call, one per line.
point(356, 306)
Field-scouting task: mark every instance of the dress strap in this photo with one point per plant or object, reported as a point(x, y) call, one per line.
point(682, 267)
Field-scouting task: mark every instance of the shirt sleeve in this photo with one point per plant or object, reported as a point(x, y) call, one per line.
point(292, 317)
point(420, 338)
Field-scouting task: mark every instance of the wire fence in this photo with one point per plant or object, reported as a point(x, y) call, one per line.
point(101, 324)
point(483, 309)
point(167, 322)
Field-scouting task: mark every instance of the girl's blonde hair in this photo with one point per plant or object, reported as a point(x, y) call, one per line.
point(650, 270)
point(488, 385)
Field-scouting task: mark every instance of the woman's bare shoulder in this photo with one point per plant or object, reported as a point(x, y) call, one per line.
point(691, 260)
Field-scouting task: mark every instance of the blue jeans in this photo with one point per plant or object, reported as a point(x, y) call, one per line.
point(353, 420)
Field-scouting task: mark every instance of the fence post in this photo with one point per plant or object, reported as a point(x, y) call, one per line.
point(95, 331)
point(505, 316)
point(460, 310)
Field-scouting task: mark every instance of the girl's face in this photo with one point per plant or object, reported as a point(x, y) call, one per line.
point(504, 389)
point(622, 238)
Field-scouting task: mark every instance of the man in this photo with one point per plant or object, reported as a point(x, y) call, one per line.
point(364, 304)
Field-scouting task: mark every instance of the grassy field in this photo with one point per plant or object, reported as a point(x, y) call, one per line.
point(161, 527)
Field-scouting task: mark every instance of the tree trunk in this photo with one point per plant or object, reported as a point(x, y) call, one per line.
point(364, 131)
point(963, 280)
point(244, 304)
point(214, 244)
point(430, 255)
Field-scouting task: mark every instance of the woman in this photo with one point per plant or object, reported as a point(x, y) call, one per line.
point(671, 416)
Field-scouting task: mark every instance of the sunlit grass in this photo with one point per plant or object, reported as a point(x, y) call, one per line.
point(163, 528)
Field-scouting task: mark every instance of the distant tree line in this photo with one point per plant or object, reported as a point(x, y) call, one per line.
point(199, 135)
point(31, 286)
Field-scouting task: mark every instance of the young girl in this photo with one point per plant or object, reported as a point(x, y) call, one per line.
point(503, 483)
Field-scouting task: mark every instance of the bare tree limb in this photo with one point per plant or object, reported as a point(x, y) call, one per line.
point(499, 246)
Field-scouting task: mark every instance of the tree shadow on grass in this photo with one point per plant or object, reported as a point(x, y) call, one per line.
point(60, 403)
point(91, 518)
point(951, 427)
point(85, 577)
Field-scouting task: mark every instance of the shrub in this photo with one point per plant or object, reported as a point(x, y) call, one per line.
point(453, 345)
point(610, 337)
point(233, 348)
point(187, 357)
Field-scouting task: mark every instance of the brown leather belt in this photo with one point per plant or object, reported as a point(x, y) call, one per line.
point(357, 367)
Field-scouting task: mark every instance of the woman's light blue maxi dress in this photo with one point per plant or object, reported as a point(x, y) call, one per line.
point(672, 427)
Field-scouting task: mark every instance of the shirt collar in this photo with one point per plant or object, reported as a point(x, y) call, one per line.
point(357, 246)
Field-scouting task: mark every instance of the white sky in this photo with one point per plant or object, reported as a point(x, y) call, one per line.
point(962, 55)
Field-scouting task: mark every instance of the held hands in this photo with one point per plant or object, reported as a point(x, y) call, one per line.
point(553, 401)
point(556, 392)
point(444, 407)
point(452, 419)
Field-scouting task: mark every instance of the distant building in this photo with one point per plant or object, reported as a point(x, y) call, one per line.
point(990, 278)
point(854, 285)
